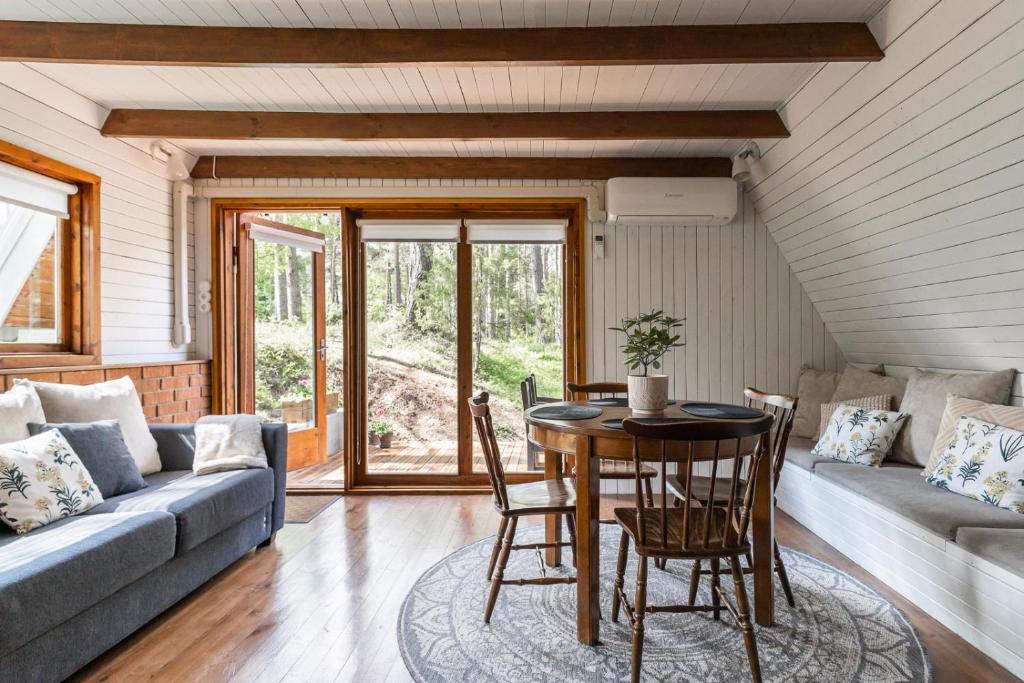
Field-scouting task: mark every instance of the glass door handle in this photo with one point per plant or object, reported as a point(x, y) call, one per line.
point(322, 349)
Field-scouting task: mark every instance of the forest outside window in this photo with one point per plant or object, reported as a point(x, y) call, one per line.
point(48, 283)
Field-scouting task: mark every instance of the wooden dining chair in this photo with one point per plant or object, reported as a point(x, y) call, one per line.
point(697, 530)
point(783, 408)
point(614, 469)
point(548, 497)
point(528, 393)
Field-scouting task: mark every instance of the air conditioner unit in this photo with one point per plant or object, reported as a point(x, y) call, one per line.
point(679, 201)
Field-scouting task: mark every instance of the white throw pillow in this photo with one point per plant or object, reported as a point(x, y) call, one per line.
point(228, 442)
point(18, 407)
point(859, 435)
point(113, 400)
point(984, 461)
point(43, 480)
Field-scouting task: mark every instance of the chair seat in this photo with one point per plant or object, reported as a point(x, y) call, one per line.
point(701, 488)
point(697, 548)
point(551, 496)
point(622, 469)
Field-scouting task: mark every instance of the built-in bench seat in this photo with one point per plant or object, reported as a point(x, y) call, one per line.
point(798, 454)
point(1001, 547)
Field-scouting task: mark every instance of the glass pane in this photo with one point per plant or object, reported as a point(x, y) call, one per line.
point(517, 331)
point(284, 343)
point(411, 393)
point(30, 271)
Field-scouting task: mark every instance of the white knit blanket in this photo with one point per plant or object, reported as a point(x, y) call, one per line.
point(228, 442)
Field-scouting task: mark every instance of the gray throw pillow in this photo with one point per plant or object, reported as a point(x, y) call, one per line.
point(103, 451)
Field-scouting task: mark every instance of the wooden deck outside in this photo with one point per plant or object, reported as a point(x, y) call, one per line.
point(435, 457)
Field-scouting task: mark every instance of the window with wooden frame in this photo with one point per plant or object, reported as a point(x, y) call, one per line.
point(49, 262)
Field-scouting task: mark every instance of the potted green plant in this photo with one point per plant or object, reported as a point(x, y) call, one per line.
point(648, 338)
point(384, 432)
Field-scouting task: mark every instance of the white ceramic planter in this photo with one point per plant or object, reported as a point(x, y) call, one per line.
point(648, 395)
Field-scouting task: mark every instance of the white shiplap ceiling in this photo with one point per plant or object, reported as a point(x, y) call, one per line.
point(440, 89)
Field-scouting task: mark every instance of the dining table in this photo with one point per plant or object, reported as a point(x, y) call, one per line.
point(588, 441)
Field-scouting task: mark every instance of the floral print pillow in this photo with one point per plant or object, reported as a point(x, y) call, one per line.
point(983, 461)
point(43, 480)
point(859, 435)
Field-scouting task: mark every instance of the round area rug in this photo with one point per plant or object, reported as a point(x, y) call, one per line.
point(840, 630)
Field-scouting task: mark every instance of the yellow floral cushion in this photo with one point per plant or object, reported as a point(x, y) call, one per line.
point(43, 480)
point(957, 407)
point(983, 461)
point(859, 435)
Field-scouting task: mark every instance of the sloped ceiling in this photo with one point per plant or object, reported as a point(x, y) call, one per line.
point(899, 198)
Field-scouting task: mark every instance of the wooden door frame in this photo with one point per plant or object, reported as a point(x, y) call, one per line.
point(222, 212)
point(309, 443)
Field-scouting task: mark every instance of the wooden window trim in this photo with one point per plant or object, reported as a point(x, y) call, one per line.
point(79, 268)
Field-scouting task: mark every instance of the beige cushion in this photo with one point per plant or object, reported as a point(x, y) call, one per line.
point(113, 400)
point(814, 388)
point(18, 407)
point(880, 402)
point(925, 401)
point(957, 407)
point(856, 383)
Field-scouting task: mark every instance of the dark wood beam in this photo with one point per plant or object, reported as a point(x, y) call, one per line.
point(36, 41)
point(458, 167)
point(623, 125)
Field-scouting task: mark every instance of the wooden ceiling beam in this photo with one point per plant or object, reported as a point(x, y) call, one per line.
point(598, 168)
point(36, 41)
point(622, 125)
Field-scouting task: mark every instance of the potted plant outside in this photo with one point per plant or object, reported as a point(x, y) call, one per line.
point(648, 338)
point(384, 432)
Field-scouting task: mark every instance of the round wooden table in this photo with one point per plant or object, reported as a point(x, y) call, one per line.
point(588, 442)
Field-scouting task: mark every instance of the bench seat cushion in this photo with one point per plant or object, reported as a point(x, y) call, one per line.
point(202, 506)
point(798, 452)
point(1001, 547)
point(55, 572)
point(901, 489)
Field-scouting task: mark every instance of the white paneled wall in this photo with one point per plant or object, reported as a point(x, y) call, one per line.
point(135, 210)
point(899, 198)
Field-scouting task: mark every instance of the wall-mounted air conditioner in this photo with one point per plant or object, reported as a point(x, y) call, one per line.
point(671, 201)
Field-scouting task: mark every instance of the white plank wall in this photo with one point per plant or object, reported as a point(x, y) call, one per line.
point(899, 198)
point(135, 210)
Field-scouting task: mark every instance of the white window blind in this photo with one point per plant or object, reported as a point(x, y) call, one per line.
point(266, 233)
point(542, 231)
point(34, 191)
point(441, 230)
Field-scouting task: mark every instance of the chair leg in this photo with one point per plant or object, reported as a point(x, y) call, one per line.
point(499, 574)
point(716, 586)
point(743, 610)
point(783, 576)
point(694, 582)
point(620, 573)
point(570, 521)
point(640, 610)
point(502, 525)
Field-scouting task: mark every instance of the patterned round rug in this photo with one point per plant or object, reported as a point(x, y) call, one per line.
point(840, 630)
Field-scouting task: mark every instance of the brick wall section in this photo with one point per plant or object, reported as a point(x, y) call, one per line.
point(170, 392)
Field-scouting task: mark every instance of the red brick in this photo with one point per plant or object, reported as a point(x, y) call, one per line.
point(154, 398)
point(82, 377)
point(199, 380)
point(171, 408)
point(174, 382)
point(166, 420)
point(187, 418)
point(185, 394)
point(144, 386)
point(206, 391)
point(187, 369)
point(116, 373)
point(149, 411)
point(204, 369)
point(199, 404)
point(157, 371)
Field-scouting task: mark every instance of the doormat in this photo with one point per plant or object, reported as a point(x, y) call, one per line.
point(302, 509)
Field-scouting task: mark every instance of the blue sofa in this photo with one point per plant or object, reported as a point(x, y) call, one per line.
point(71, 590)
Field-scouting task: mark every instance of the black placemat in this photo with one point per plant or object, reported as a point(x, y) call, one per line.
point(617, 422)
point(612, 424)
point(565, 412)
point(721, 411)
point(610, 402)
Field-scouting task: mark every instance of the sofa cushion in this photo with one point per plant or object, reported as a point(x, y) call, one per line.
point(202, 506)
point(856, 383)
point(53, 573)
point(925, 401)
point(101, 447)
point(814, 388)
point(900, 489)
point(880, 402)
point(798, 453)
point(18, 407)
point(957, 407)
point(1001, 547)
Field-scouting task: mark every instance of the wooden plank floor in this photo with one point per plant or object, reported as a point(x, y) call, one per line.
point(322, 603)
point(408, 458)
